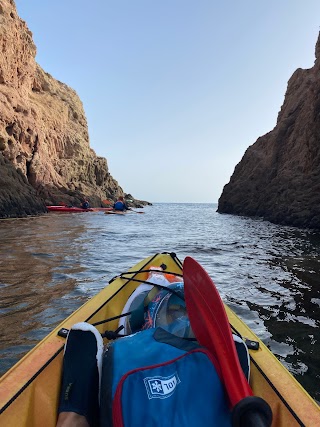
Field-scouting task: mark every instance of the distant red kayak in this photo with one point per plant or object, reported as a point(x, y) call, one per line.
point(74, 209)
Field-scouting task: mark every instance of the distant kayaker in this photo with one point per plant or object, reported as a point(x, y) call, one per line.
point(120, 205)
point(85, 204)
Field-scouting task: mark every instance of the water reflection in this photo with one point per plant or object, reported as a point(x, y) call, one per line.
point(269, 275)
point(38, 264)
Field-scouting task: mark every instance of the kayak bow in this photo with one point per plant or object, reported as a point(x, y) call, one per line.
point(29, 391)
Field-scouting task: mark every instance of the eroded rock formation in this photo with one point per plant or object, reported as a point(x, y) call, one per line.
point(43, 128)
point(278, 177)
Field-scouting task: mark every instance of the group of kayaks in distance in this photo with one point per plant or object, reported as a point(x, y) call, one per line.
point(119, 207)
point(62, 208)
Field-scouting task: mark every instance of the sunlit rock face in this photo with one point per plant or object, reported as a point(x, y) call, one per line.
point(43, 128)
point(278, 177)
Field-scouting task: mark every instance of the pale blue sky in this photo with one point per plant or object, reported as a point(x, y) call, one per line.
point(174, 91)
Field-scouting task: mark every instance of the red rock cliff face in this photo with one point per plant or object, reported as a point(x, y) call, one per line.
point(278, 177)
point(43, 128)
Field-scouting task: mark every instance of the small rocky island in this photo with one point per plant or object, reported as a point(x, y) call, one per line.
point(278, 177)
point(45, 155)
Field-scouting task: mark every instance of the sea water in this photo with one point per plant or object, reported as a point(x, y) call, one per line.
point(268, 274)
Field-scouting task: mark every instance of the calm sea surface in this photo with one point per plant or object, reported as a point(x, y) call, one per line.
point(268, 274)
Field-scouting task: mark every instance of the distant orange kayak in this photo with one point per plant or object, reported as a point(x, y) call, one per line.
point(101, 209)
point(112, 212)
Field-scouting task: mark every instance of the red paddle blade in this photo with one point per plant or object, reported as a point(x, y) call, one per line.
point(211, 327)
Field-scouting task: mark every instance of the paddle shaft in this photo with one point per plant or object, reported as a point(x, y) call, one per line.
point(210, 325)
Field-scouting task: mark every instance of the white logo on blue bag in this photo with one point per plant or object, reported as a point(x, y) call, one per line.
point(161, 387)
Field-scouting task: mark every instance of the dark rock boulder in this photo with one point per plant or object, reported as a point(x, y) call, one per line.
point(17, 197)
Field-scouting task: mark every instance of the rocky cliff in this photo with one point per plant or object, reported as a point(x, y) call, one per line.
point(278, 177)
point(43, 131)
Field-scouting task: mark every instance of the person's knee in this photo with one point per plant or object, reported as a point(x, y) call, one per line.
point(71, 419)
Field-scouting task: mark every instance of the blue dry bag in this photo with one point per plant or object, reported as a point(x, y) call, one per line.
point(156, 379)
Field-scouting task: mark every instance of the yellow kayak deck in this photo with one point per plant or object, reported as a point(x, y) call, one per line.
point(29, 391)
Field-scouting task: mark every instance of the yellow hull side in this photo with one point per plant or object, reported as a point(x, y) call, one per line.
point(29, 391)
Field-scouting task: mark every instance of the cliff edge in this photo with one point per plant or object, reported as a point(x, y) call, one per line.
point(278, 177)
point(43, 132)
